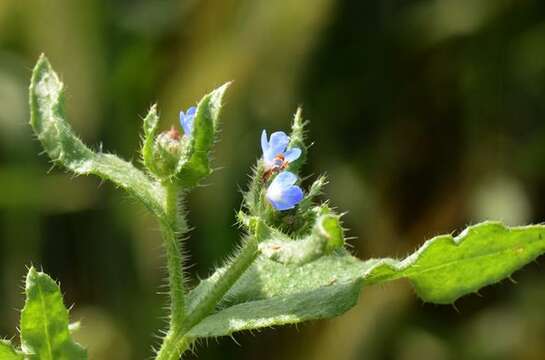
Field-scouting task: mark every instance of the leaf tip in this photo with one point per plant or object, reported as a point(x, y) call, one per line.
point(42, 66)
point(45, 87)
point(42, 61)
point(227, 84)
point(218, 93)
point(298, 116)
point(32, 273)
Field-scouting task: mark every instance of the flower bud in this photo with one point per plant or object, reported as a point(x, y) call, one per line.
point(167, 152)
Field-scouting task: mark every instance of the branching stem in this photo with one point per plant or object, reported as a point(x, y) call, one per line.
point(176, 342)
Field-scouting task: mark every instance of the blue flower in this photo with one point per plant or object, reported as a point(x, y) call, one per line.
point(275, 154)
point(282, 193)
point(186, 120)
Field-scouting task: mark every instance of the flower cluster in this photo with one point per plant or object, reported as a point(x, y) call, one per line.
point(282, 192)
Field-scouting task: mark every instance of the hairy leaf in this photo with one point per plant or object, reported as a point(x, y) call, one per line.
point(270, 293)
point(45, 333)
point(442, 270)
point(63, 147)
point(290, 309)
point(195, 164)
point(7, 352)
point(447, 267)
point(297, 139)
point(326, 236)
point(150, 129)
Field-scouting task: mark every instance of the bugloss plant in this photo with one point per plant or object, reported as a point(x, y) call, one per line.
point(291, 265)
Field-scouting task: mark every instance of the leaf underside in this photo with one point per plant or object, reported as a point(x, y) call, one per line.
point(289, 309)
point(442, 270)
point(45, 333)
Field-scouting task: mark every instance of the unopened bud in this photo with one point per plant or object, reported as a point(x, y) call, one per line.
point(167, 151)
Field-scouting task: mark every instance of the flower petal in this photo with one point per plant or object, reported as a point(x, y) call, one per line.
point(186, 120)
point(183, 122)
point(293, 195)
point(191, 111)
point(292, 154)
point(264, 142)
point(278, 142)
point(284, 180)
point(290, 197)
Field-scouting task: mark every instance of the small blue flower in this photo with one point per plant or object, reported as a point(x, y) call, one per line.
point(282, 193)
point(186, 120)
point(275, 154)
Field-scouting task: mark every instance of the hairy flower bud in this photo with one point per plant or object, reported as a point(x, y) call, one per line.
point(167, 151)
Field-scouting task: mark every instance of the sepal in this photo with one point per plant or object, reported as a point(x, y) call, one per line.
point(194, 163)
point(297, 140)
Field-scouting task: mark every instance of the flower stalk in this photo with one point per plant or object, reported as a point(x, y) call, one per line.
point(173, 226)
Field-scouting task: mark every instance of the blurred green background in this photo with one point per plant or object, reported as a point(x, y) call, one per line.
point(426, 115)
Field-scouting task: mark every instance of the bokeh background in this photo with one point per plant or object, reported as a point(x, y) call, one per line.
point(426, 115)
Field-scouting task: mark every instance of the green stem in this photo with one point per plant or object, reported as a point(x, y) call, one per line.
point(242, 262)
point(175, 343)
point(172, 226)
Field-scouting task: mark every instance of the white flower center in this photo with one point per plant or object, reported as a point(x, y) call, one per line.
point(274, 193)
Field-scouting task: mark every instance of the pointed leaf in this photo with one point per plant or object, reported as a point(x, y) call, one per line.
point(45, 333)
point(446, 268)
point(7, 352)
point(63, 147)
point(297, 140)
point(195, 164)
point(150, 129)
point(442, 270)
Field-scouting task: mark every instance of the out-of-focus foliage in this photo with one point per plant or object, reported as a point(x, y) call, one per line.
point(427, 115)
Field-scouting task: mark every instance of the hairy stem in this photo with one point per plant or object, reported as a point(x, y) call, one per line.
point(242, 261)
point(174, 345)
point(172, 226)
point(176, 342)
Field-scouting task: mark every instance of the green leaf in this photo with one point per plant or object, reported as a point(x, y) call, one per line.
point(446, 268)
point(63, 147)
point(195, 164)
point(326, 236)
point(45, 333)
point(297, 139)
point(442, 270)
point(270, 293)
point(290, 309)
point(7, 352)
point(315, 190)
point(150, 129)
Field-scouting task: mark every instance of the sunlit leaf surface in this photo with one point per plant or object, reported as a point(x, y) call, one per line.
point(45, 333)
point(442, 270)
